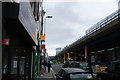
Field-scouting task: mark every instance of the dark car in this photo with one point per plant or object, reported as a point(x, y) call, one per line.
point(71, 63)
point(67, 63)
point(111, 73)
point(73, 74)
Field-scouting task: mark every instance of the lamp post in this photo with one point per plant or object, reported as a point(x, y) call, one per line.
point(44, 34)
point(44, 31)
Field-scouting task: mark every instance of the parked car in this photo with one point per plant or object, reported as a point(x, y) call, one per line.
point(76, 64)
point(67, 63)
point(84, 65)
point(73, 74)
point(111, 73)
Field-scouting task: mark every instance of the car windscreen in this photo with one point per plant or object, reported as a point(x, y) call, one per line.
point(80, 76)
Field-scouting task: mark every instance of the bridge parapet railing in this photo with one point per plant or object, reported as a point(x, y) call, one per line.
point(103, 22)
point(97, 26)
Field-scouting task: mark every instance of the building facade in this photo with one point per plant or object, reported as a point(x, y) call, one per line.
point(21, 30)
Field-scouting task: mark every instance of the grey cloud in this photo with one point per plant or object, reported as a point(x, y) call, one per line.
point(71, 19)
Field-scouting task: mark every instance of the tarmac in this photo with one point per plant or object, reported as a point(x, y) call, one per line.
point(50, 75)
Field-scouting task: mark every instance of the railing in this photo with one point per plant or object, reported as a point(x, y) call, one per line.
point(103, 22)
point(99, 25)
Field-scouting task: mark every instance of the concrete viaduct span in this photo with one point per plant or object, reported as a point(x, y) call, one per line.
point(100, 44)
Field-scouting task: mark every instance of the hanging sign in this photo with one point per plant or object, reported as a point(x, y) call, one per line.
point(42, 37)
point(42, 40)
point(43, 46)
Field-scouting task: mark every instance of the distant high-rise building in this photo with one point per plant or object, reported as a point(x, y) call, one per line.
point(58, 50)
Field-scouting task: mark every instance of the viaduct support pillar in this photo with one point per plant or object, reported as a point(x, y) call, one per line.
point(68, 55)
point(86, 53)
point(64, 57)
point(75, 56)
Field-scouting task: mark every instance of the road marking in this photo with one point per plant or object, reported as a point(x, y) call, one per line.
point(53, 73)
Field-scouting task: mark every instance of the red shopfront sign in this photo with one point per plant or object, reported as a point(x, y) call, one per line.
point(6, 41)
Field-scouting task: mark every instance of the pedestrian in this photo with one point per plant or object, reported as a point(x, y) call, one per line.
point(45, 64)
point(49, 66)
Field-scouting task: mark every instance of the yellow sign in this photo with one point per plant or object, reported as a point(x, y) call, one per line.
point(42, 38)
point(103, 68)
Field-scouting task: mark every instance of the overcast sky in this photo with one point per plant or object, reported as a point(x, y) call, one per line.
point(71, 18)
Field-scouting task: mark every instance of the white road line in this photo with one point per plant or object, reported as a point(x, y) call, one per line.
point(53, 73)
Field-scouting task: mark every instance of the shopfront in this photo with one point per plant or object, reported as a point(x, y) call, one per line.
point(18, 39)
point(17, 61)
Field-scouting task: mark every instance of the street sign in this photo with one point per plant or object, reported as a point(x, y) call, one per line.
point(43, 46)
point(42, 37)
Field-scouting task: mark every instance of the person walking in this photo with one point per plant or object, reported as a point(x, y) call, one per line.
point(45, 64)
point(49, 66)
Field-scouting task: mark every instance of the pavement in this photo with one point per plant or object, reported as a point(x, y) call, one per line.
point(47, 75)
point(50, 75)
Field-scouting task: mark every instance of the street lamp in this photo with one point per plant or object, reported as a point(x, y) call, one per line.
point(49, 16)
